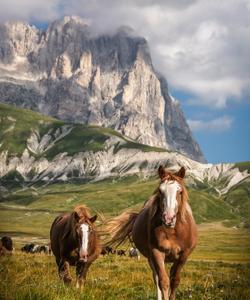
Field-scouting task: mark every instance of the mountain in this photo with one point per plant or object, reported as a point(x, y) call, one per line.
point(37, 148)
point(109, 80)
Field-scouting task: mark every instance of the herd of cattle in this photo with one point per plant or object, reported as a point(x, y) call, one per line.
point(6, 248)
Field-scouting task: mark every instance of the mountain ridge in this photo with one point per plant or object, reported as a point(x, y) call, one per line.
point(39, 148)
point(106, 80)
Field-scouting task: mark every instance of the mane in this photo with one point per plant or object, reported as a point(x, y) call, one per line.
point(82, 211)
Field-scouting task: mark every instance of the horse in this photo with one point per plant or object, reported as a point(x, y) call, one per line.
point(74, 241)
point(6, 246)
point(164, 231)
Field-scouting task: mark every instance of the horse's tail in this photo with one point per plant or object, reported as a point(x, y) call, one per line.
point(120, 228)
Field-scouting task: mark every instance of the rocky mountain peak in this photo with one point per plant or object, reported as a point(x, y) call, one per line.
point(106, 80)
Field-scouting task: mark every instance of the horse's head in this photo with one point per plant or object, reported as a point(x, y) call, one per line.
point(170, 193)
point(85, 231)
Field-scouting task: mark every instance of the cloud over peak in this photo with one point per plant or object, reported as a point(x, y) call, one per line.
point(202, 47)
point(217, 125)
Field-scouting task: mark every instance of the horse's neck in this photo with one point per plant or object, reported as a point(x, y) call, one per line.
point(186, 216)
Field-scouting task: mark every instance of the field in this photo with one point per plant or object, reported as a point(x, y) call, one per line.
point(219, 268)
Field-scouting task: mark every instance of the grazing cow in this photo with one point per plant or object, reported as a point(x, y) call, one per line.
point(134, 252)
point(33, 248)
point(107, 250)
point(121, 252)
point(74, 241)
point(28, 248)
point(6, 246)
point(45, 249)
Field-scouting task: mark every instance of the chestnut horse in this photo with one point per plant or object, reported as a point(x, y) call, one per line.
point(164, 231)
point(74, 241)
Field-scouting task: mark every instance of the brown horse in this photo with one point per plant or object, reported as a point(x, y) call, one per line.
point(163, 231)
point(74, 241)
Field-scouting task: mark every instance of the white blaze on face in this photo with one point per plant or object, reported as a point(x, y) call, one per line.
point(169, 190)
point(85, 237)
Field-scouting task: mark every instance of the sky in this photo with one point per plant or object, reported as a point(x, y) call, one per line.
point(201, 47)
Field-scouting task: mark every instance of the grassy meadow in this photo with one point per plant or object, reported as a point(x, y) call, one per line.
point(219, 268)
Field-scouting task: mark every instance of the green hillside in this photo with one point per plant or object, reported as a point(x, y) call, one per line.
point(30, 208)
point(17, 124)
point(31, 211)
point(238, 197)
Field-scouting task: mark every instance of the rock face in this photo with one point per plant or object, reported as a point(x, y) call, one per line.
point(108, 81)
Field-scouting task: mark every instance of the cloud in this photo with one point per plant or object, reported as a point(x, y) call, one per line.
point(202, 47)
point(216, 125)
point(29, 10)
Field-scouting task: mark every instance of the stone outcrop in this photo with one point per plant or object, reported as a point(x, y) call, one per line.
point(108, 80)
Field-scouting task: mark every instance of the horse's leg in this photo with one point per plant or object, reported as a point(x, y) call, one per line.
point(81, 273)
point(175, 275)
point(156, 280)
point(158, 259)
point(64, 271)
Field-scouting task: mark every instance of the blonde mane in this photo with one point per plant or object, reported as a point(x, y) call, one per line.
point(82, 211)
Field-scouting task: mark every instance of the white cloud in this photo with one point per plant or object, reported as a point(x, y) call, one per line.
point(202, 47)
point(29, 10)
point(216, 125)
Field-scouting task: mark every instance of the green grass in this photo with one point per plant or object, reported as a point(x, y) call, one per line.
point(207, 208)
point(218, 269)
point(243, 166)
point(113, 195)
point(16, 125)
point(238, 197)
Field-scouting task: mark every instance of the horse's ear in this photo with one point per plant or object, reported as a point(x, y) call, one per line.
point(161, 172)
point(181, 173)
point(76, 216)
point(93, 219)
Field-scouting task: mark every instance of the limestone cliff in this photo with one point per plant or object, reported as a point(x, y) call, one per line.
point(67, 72)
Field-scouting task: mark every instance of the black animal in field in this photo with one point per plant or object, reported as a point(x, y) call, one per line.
point(33, 248)
point(107, 250)
point(6, 246)
point(121, 252)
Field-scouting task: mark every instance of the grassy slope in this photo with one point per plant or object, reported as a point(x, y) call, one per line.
point(245, 165)
point(238, 197)
point(22, 121)
point(32, 211)
point(17, 124)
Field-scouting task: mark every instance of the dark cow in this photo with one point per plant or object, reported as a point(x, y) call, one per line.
point(6, 246)
point(121, 252)
point(107, 250)
point(28, 248)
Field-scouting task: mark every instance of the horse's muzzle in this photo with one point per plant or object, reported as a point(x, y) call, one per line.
point(168, 219)
point(83, 259)
point(83, 255)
